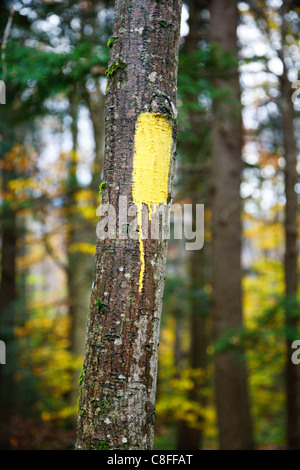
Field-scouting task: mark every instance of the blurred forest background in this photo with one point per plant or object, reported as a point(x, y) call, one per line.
point(53, 61)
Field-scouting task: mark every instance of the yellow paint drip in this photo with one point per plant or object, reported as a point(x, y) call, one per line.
point(142, 254)
point(151, 161)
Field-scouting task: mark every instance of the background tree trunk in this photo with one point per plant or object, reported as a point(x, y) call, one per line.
point(95, 104)
point(117, 404)
point(291, 254)
point(8, 295)
point(190, 437)
point(8, 298)
point(230, 370)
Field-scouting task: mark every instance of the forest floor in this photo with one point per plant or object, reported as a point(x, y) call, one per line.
point(31, 434)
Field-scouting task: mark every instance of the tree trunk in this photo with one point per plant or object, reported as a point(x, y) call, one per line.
point(80, 269)
point(117, 404)
point(290, 259)
point(190, 437)
point(232, 399)
point(95, 103)
point(78, 291)
point(79, 274)
point(80, 265)
point(8, 297)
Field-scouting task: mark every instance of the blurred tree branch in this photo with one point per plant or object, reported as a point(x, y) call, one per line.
point(5, 39)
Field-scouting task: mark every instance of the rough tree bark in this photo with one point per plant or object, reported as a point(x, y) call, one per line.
point(291, 251)
point(232, 399)
point(117, 403)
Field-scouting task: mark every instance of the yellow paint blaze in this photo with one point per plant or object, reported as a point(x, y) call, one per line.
point(151, 162)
